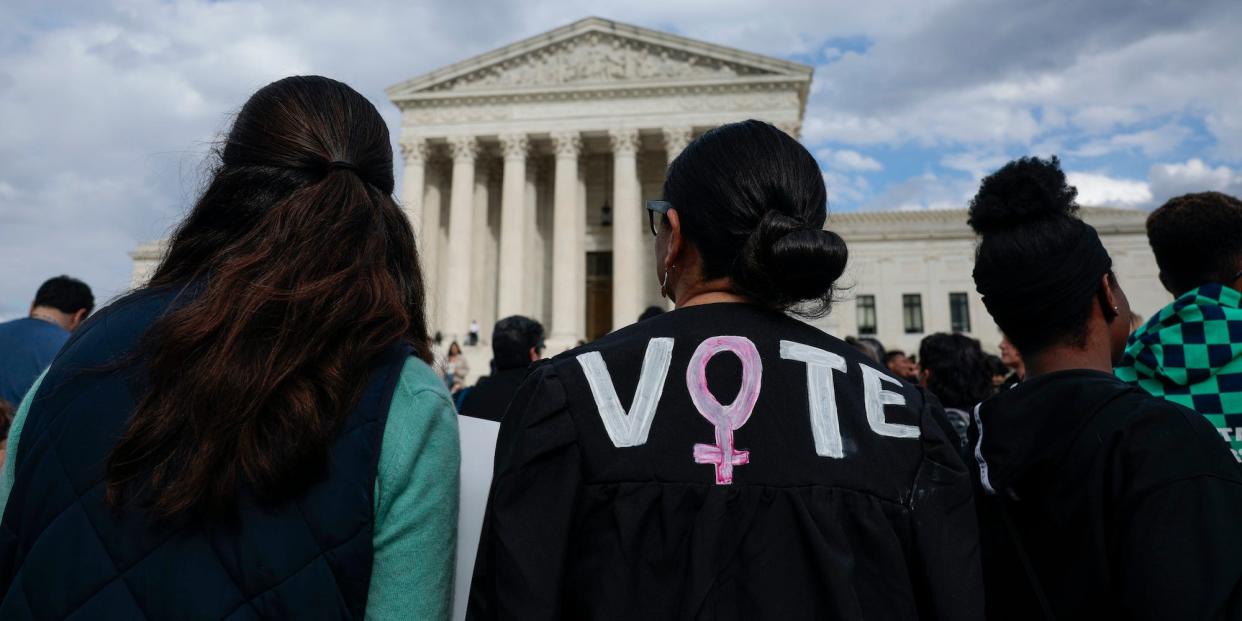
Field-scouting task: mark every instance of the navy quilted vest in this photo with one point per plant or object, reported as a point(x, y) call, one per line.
point(65, 554)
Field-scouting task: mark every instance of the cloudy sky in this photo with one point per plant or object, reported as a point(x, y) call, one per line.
point(108, 107)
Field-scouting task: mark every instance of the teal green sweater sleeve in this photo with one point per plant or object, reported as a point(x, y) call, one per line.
point(416, 496)
point(9, 473)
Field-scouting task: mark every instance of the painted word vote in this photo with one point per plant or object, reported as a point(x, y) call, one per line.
point(628, 429)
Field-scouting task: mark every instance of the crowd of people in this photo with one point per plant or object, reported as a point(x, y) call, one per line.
point(263, 430)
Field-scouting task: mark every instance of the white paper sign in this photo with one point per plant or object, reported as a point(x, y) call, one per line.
point(478, 450)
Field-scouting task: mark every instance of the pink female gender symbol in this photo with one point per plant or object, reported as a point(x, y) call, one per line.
point(726, 418)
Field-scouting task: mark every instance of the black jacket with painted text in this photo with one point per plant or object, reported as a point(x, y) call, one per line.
point(725, 462)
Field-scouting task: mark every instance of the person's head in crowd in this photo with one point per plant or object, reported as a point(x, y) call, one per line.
point(63, 301)
point(454, 349)
point(1012, 358)
point(998, 370)
point(875, 348)
point(304, 270)
point(869, 347)
point(743, 215)
point(1044, 275)
point(954, 368)
point(517, 341)
point(6, 420)
point(649, 312)
point(1197, 240)
point(900, 364)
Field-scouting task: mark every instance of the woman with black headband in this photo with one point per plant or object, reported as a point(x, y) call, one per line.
point(1098, 501)
point(724, 460)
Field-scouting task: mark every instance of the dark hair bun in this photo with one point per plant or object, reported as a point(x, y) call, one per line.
point(752, 201)
point(1024, 190)
point(786, 262)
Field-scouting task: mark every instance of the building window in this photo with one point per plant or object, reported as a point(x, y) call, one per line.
point(959, 312)
point(912, 312)
point(866, 314)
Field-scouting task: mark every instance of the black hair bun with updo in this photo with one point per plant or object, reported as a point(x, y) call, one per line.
point(752, 201)
point(786, 263)
point(1025, 190)
point(1037, 265)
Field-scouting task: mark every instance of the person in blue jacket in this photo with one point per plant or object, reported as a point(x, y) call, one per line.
point(27, 345)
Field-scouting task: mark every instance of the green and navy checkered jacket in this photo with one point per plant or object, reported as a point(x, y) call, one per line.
point(1191, 353)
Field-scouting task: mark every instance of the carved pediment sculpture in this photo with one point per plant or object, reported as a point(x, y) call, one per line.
point(594, 58)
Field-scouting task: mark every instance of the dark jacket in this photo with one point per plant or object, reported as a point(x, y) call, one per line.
point(490, 397)
point(614, 502)
point(65, 553)
point(1126, 505)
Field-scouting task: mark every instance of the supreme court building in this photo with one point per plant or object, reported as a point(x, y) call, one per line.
point(525, 169)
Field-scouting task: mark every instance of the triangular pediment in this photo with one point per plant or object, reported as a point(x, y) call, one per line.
point(597, 52)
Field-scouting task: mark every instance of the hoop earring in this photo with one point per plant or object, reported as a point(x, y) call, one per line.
point(664, 284)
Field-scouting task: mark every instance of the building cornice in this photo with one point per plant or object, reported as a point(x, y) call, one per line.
point(951, 223)
point(621, 90)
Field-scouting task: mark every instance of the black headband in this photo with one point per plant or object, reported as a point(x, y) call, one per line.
point(1050, 291)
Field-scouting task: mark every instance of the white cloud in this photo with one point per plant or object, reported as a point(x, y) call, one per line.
point(1164, 181)
point(1100, 190)
point(1193, 175)
point(844, 188)
point(926, 191)
point(1150, 142)
point(845, 159)
point(977, 164)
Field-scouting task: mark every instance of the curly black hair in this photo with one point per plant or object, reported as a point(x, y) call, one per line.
point(1197, 239)
point(1026, 216)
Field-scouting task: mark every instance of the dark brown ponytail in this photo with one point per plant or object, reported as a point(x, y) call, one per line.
point(303, 270)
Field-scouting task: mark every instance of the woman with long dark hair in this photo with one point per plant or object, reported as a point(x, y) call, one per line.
point(256, 432)
point(725, 460)
point(455, 368)
point(1099, 500)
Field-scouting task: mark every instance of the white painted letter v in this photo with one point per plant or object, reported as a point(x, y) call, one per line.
point(629, 429)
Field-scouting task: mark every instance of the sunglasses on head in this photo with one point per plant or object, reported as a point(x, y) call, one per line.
point(654, 207)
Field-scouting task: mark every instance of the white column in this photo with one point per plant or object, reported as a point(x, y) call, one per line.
point(429, 243)
point(627, 219)
point(517, 224)
point(568, 285)
point(414, 152)
point(579, 233)
point(482, 262)
point(456, 320)
point(675, 141)
point(537, 246)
